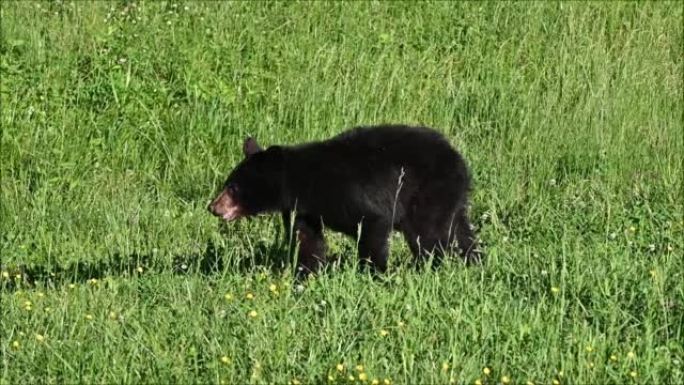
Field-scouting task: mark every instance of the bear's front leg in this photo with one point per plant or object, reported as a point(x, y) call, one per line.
point(312, 247)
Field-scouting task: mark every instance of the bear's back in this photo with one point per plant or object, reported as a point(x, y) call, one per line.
point(379, 153)
point(388, 135)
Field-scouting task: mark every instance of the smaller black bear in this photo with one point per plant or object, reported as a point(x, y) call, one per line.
point(365, 182)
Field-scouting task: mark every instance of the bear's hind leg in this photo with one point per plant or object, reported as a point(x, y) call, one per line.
point(467, 246)
point(427, 237)
point(373, 245)
point(287, 227)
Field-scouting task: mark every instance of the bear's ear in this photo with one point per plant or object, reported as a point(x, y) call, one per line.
point(250, 147)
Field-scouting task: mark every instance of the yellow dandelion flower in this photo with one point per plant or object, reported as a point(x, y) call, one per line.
point(653, 273)
point(613, 358)
point(363, 377)
point(331, 378)
point(478, 382)
point(632, 229)
point(40, 294)
point(295, 381)
point(445, 366)
point(529, 383)
point(590, 365)
point(225, 360)
point(139, 269)
point(631, 355)
point(48, 309)
point(112, 315)
point(387, 381)
point(505, 380)
point(88, 317)
point(5, 274)
point(273, 288)
point(72, 286)
point(249, 296)
point(339, 367)
point(27, 304)
point(40, 337)
point(560, 373)
point(589, 349)
point(384, 333)
point(16, 344)
point(228, 297)
point(359, 368)
point(17, 276)
point(351, 378)
point(486, 371)
point(633, 374)
point(92, 281)
point(401, 324)
point(253, 313)
point(375, 382)
point(555, 290)
point(555, 382)
point(452, 380)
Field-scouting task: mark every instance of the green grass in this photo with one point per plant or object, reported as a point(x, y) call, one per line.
point(120, 121)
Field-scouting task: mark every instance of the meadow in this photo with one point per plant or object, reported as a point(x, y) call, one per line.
point(120, 120)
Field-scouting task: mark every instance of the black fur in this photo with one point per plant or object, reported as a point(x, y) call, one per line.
point(372, 179)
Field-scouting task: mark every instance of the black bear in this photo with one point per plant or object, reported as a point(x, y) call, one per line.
point(364, 183)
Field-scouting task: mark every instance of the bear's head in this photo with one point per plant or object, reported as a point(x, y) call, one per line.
point(254, 186)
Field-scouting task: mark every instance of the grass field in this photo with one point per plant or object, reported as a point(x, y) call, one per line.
point(120, 120)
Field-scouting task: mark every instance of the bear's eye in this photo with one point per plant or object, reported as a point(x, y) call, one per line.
point(232, 189)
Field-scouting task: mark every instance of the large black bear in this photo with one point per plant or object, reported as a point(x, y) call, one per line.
point(365, 182)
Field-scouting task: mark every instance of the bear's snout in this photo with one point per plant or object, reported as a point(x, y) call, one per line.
point(224, 206)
